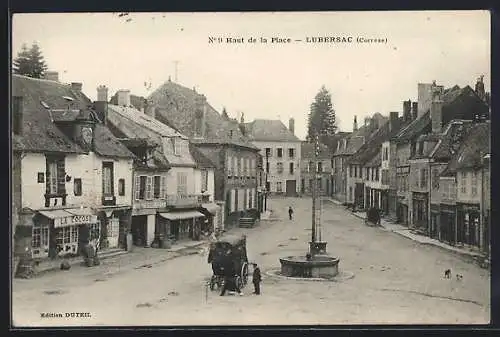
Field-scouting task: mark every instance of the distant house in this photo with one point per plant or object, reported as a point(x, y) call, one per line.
point(74, 176)
point(281, 153)
point(443, 107)
point(322, 171)
point(221, 141)
point(167, 179)
point(346, 147)
point(337, 171)
point(465, 188)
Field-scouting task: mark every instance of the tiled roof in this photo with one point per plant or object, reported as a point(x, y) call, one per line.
point(357, 138)
point(332, 141)
point(40, 134)
point(269, 130)
point(201, 160)
point(307, 151)
point(416, 127)
point(176, 106)
point(450, 140)
point(139, 118)
point(136, 101)
point(376, 160)
point(475, 144)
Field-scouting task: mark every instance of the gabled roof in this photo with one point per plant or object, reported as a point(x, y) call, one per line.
point(474, 145)
point(176, 106)
point(201, 160)
point(333, 140)
point(416, 127)
point(307, 151)
point(41, 134)
point(269, 130)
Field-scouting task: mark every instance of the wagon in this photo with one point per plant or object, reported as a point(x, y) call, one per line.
point(228, 257)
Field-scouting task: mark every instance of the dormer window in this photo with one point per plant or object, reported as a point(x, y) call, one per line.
point(421, 148)
point(177, 146)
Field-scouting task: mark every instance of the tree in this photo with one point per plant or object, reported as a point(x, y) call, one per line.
point(30, 62)
point(321, 119)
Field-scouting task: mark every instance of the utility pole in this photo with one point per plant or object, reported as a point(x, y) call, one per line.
point(176, 63)
point(267, 181)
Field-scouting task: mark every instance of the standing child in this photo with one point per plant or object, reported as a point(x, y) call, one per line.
point(290, 213)
point(256, 279)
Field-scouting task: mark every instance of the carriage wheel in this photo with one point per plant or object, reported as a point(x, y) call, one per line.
point(244, 274)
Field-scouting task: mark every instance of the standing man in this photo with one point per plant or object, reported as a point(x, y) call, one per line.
point(256, 279)
point(290, 213)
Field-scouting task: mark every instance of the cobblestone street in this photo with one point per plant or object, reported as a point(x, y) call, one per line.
point(396, 281)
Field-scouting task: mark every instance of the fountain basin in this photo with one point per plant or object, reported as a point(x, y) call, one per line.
point(318, 266)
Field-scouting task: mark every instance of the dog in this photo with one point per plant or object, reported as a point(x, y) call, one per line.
point(459, 277)
point(447, 273)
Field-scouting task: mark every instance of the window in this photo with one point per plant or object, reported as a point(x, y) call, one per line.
point(291, 153)
point(268, 152)
point(107, 178)
point(420, 148)
point(113, 228)
point(234, 165)
point(320, 167)
point(310, 168)
point(350, 171)
point(245, 167)
point(95, 231)
point(350, 193)
point(386, 154)
point(181, 183)
point(67, 235)
point(435, 179)
point(279, 187)
point(291, 168)
point(41, 177)
point(77, 186)
point(279, 152)
point(279, 167)
point(140, 187)
point(149, 188)
point(463, 182)
point(229, 167)
point(267, 168)
point(377, 174)
point(240, 167)
point(157, 187)
point(473, 184)
point(177, 145)
point(204, 180)
point(121, 187)
point(252, 167)
point(250, 198)
point(40, 237)
point(385, 177)
point(423, 178)
point(55, 175)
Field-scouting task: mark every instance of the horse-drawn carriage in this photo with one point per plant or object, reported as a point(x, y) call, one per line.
point(228, 257)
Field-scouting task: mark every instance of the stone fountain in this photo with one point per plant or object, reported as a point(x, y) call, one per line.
point(316, 263)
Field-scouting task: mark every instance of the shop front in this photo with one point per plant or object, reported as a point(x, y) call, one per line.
point(468, 224)
point(114, 225)
point(179, 225)
point(211, 211)
point(447, 216)
point(420, 211)
point(62, 232)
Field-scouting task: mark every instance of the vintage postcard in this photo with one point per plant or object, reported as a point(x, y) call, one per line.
point(284, 168)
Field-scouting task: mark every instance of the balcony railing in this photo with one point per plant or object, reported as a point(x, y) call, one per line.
point(187, 200)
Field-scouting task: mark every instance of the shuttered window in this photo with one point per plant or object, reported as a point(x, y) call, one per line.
point(56, 175)
point(157, 187)
point(163, 191)
point(137, 191)
point(149, 188)
point(107, 178)
point(181, 183)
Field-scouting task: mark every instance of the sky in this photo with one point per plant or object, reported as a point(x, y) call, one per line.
point(266, 80)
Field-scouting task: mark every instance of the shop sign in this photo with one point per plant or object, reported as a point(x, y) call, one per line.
point(470, 208)
point(75, 220)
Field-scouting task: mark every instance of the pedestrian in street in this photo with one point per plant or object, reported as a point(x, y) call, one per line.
point(256, 279)
point(290, 212)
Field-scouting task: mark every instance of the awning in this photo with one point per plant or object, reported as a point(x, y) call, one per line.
point(211, 207)
point(55, 214)
point(181, 215)
point(80, 211)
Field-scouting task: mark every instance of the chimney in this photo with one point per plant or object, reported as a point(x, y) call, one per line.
point(479, 89)
point(101, 105)
point(200, 113)
point(367, 121)
point(291, 125)
point(355, 125)
point(51, 76)
point(393, 120)
point(414, 110)
point(76, 86)
point(17, 115)
point(436, 114)
point(407, 110)
point(150, 109)
point(102, 93)
point(123, 97)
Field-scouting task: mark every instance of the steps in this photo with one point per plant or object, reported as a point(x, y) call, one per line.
point(246, 222)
